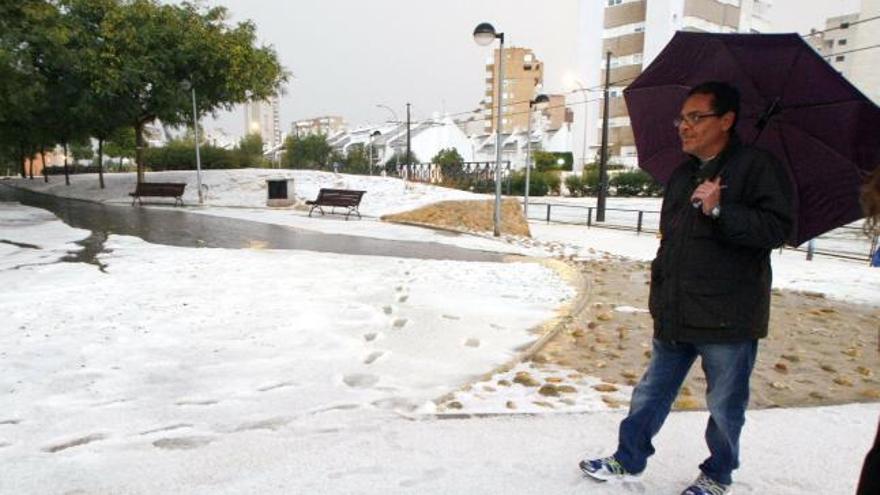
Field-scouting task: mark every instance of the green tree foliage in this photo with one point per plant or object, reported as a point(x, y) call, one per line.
point(575, 185)
point(72, 68)
point(357, 160)
point(402, 158)
point(251, 145)
point(30, 33)
point(120, 144)
point(81, 149)
point(585, 184)
point(450, 162)
point(180, 155)
point(155, 53)
point(448, 156)
point(540, 183)
point(311, 152)
point(635, 183)
point(621, 183)
point(546, 160)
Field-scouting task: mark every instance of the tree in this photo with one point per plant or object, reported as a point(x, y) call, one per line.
point(99, 108)
point(307, 152)
point(448, 156)
point(30, 33)
point(251, 145)
point(81, 149)
point(157, 52)
point(357, 159)
point(402, 158)
point(120, 144)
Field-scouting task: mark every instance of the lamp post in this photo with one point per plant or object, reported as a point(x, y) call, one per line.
point(188, 86)
point(396, 154)
point(583, 91)
point(484, 34)
point(603, 160)
point(542, 98)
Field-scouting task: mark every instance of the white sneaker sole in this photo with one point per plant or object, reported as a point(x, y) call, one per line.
point(729, 491)
point(599, 476)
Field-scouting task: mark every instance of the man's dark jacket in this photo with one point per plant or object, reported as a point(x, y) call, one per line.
point(710, 281)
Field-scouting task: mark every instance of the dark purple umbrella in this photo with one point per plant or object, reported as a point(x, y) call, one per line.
point(820, 126)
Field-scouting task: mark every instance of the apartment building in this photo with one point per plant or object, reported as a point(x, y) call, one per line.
point(842, 40)
point(556, 114)
point(523, 75)
point(838, 36)
point(327, 125)
point(866, 63)
point(635, 32)
point(264, 118)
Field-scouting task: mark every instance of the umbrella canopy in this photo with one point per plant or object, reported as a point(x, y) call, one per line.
point(825, 131)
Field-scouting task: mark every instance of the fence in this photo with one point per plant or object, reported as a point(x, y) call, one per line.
point(847, 242)
point(434, 174)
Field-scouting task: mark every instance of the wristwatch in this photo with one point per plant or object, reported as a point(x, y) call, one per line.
point(716, 211)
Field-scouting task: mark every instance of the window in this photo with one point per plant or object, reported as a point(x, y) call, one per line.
point(840, 58)
point(612, 3)
point(841, 41)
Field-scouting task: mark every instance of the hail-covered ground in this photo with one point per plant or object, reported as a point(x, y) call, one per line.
point(186, 370)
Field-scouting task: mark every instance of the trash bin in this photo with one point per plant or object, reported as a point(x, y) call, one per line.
point(281, 192)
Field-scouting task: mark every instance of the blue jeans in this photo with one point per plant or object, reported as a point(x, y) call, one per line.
point(727, 368)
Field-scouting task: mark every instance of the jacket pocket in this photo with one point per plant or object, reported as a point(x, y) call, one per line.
point(710, 304)
point(703, 226)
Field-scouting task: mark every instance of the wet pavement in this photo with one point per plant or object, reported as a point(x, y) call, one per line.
point(177, 227)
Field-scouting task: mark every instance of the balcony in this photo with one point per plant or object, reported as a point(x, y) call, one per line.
point(625, 13)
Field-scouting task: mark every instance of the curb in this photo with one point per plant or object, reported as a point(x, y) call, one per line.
point(548, 330)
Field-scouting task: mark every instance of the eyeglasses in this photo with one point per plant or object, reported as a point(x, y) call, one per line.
point(692, 118)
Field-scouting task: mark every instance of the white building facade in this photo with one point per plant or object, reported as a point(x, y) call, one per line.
point(865, 69)
point(635, 32)
point(427, 138)
point(264, 118)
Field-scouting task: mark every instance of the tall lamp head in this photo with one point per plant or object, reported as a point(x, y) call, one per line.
point(485, 34)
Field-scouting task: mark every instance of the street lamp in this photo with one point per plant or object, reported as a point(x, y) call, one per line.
point(584, 144)
point(188, 86)
point(542, 98)
point(396, 122)
point(484, 34)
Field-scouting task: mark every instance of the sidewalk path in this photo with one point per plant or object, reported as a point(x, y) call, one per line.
point(178, 227)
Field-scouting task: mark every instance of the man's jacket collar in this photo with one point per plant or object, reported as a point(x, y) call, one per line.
point(713, 167)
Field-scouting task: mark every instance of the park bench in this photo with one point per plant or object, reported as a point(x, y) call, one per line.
point(158, 189)
point(342, 198)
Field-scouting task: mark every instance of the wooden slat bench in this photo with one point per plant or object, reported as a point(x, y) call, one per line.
point(342, 198)
point(158, 189)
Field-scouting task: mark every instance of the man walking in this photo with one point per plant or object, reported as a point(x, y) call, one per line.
point(723, 212)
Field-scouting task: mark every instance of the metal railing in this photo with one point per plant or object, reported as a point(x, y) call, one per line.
point(848, 242)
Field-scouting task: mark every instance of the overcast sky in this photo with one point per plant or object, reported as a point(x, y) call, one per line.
point(347, 56)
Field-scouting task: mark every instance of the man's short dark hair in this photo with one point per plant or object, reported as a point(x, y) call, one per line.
point(725, 98)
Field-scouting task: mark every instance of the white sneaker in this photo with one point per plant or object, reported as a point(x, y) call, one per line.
point(705, 485)
point(607, 469)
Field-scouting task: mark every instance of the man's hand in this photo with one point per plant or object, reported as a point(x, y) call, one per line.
point(708, 194)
